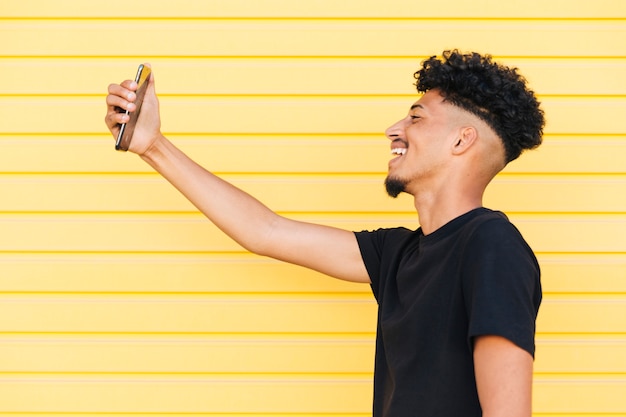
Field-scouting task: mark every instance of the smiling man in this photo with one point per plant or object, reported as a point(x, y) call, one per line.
point(458, 297)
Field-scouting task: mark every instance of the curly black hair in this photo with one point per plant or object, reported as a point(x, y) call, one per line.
point(495, 93)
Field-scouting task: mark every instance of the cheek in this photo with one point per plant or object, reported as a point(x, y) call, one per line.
point(427, 158)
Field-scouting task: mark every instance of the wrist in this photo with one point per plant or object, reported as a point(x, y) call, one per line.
point(155, 150)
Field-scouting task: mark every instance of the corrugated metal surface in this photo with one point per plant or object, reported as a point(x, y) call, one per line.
point(118, 298)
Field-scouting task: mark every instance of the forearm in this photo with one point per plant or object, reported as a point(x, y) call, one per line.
point(236, 213)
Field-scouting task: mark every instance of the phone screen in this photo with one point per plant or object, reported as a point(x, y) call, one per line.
point(126, 130)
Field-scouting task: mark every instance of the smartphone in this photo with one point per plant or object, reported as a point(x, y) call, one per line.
point(126, 130)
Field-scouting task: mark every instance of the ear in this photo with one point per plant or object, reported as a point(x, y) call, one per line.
point(468, 135)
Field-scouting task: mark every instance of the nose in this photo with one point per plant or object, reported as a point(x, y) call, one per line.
point(396, 130)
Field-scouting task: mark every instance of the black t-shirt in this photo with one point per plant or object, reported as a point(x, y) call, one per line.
point(474, 276)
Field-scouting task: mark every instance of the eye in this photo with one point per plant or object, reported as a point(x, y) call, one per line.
point(414, 117)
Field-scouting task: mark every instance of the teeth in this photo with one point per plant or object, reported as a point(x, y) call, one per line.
point(398, 151)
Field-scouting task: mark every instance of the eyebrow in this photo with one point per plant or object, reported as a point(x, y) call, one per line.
point(416, 105)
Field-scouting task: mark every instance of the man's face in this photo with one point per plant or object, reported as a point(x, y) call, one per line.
point(421, 143)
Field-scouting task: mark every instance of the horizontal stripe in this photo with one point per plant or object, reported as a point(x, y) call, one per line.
point(153, 273)
point(290, 76)
point(212, 9)
point(196, 395)
point(288, 115)
point(206, 314)
point(580, 356)
point(162, 273)
point(258, 314)
point(258, 354)
point(185, 38)
point(584, 315)
point(185, 395)
point(583, 273)
point(193, 233)
point(291, 154)
point(334, 194)
point(574, 397)
point(210, 355)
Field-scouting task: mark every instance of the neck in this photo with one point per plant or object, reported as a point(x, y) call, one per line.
point(437, 209)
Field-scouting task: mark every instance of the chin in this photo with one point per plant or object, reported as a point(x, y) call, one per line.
point(394, 186)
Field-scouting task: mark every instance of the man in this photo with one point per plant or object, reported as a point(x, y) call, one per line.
point(458, 297)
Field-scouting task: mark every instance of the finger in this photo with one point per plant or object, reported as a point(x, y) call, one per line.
point(115, 117)
point(124, 90)
point(120, 104)
point(129, 85)
point(116, 110)
point(113, 120)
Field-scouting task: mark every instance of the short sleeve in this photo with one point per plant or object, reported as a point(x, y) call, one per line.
point(370, 246)
point(501, 284)
point(377, 248)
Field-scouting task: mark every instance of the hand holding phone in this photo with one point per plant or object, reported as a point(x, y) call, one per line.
point(127, 129)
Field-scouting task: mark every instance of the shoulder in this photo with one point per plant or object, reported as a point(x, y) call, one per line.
point(495, 254)
point(493, 229)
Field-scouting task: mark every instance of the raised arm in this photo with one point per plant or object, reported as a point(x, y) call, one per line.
point(254, 226)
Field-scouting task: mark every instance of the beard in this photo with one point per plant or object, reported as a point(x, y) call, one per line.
point(395, 186)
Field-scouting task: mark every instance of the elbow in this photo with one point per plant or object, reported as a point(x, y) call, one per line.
point(262, 240)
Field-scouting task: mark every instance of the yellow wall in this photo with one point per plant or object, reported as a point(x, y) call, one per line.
point(117, 297)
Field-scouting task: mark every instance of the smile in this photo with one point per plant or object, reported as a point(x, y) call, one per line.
point(398, 151)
